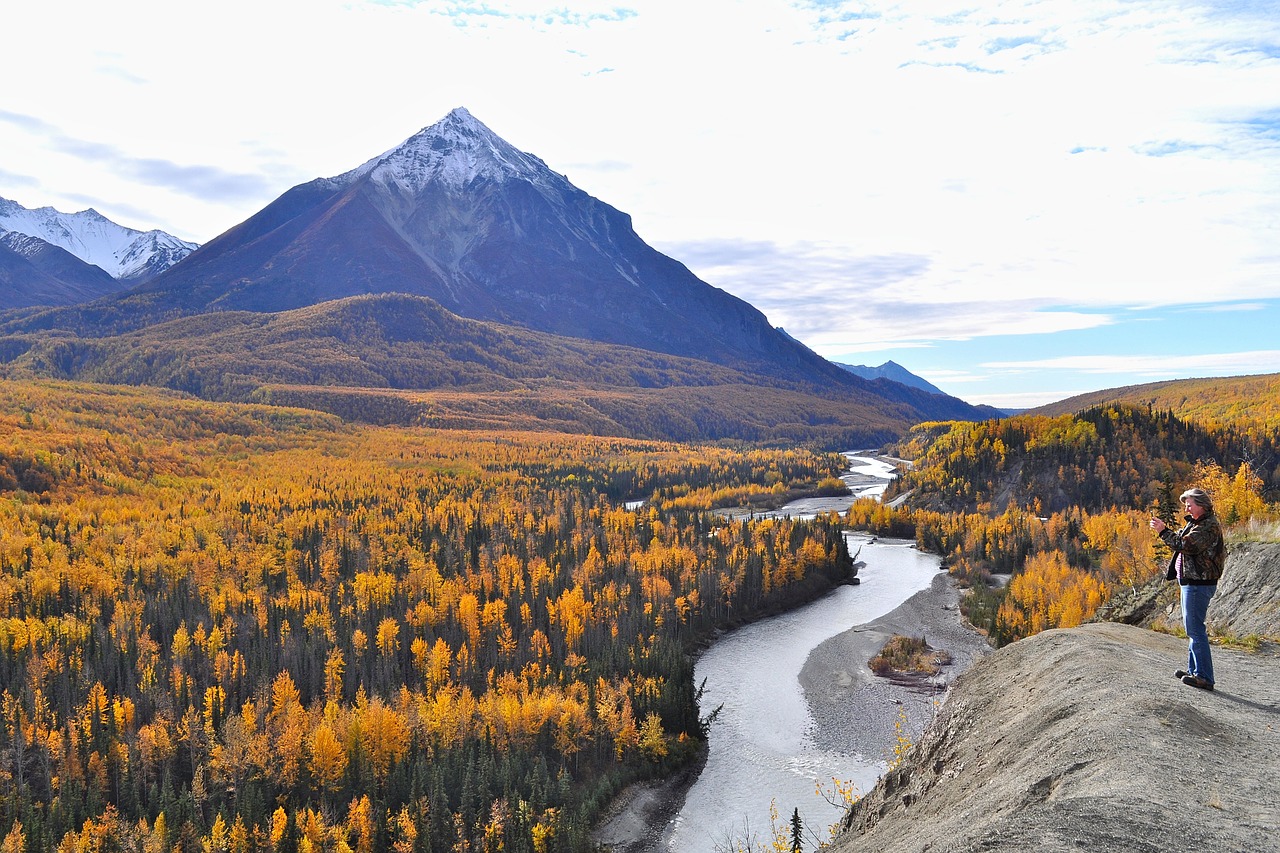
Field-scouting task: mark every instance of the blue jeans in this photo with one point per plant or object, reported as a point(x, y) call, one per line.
point(1195, 604)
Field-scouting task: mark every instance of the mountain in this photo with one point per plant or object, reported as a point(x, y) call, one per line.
point(892, 371)
point(396, 358)
point(128, 255)
point(34, 272)
point(458, 215)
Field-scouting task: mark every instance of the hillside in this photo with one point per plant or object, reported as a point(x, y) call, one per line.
point(396, 358)
point(1107, 455)
point(1241, 401)
point(1080, 739)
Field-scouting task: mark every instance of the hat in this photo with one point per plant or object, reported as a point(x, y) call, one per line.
point(1200, 496)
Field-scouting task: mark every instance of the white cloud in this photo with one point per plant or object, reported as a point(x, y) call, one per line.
point(1210, 364)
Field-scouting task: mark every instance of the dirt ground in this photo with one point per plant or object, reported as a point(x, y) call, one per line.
point(1082, 739)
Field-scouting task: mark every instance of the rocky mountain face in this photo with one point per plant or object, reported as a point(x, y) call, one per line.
point(50, 239)
point(1082, 739)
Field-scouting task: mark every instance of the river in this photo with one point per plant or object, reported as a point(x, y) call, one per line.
point(760, 748)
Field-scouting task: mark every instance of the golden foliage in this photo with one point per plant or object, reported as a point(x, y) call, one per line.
point(229, 606)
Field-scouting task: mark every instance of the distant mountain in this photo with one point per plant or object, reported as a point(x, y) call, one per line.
point(35, 272)
point(128, 255)
point(893, 371)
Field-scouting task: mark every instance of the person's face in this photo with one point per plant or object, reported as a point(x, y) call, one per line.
point(1193, 509)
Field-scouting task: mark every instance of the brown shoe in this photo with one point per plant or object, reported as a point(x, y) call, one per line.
point(1197, 681)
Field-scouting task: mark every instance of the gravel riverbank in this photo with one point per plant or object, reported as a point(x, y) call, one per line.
point(855, 711)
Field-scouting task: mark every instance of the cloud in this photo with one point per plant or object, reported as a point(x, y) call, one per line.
point(14, 179)
point(119, 212)
point(203, 182)
point(1208, 364)
point(26, 122)
point(1230, 308)
point(840, 302)
point(468, 12)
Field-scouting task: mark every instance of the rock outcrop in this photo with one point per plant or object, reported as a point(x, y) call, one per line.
point(1247, 602)
point(1082, 739)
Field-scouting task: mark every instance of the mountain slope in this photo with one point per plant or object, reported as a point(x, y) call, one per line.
point(126, 254)
point(34, 272)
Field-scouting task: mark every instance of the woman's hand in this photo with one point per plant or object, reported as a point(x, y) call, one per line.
point(1158, 526)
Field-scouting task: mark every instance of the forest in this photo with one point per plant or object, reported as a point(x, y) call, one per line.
point(229, 627)
point(1060, 504)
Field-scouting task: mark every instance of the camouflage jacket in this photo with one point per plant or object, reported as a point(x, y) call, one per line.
point(1202, 548)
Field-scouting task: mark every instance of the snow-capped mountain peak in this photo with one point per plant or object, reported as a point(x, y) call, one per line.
point(125, 253)
point(454, 151)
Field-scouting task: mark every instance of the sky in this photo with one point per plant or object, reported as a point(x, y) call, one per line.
point(1018, 201)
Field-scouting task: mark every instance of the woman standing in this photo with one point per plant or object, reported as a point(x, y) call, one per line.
point(1199, 553)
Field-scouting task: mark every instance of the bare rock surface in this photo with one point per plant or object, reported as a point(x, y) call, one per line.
point(1248, 598)
point(1082, 739)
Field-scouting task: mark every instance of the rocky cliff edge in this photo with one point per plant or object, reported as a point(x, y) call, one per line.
point(1082, 739)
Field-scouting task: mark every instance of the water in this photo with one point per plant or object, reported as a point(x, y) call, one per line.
point(759, 747)
point(868, 477)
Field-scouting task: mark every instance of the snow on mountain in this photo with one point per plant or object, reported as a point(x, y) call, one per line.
point(125, 253)
point(454, 151)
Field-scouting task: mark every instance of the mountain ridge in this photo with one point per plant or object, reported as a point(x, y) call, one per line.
point(894, 372)
point(127, 255)
point(384, 346)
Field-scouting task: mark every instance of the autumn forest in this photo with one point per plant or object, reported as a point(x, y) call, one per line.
point(244, 628)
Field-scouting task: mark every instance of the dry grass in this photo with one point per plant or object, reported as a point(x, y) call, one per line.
point(1255, 530)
